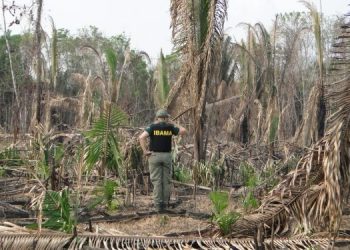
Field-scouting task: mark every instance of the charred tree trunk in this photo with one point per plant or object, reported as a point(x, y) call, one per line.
point(199, 154)
point(244, 129)
point(321, 115)
point(39, 89)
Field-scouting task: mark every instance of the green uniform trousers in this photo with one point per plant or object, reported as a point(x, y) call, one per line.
point(160, 168)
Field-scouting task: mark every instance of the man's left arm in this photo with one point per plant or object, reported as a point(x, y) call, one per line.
point(143, 143)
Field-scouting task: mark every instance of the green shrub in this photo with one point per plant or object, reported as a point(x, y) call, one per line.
point(223, 219)
point(182, 174)
point(248, 175)
point(57, 212)
point(250, 202)
point(104, 195)
point(226, 220)
point(219, 201)
point(251, 181)
point(208, 174)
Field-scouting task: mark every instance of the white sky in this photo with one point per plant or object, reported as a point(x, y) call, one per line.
point(147, 22)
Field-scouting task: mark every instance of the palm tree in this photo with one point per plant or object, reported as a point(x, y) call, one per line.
point(254, 58)
point(321, 107)
point(197, 34)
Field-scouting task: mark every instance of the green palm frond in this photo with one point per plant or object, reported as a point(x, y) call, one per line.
point(162, 87)
point(203, 25)
point(111, 58)
point(102, 144)
point(57, 210)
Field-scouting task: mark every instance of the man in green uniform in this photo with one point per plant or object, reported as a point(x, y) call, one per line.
point(160, 134)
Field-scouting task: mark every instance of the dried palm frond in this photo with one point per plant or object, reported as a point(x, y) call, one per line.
point(33, 241)
point(307, 131)
point(68, 103)
point(8, 227)
point(60, 241)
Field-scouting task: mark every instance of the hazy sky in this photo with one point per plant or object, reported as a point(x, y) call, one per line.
point(147, 22)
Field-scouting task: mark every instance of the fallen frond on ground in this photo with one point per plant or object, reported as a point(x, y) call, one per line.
point(59, 241)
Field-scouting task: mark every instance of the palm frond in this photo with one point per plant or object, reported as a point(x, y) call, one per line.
point(57, 241)
point(57, 211)
point(162, 87)
point(183, 28)
point(317, 32)
point(102, 144)
point(228, 67)
point(112, 63)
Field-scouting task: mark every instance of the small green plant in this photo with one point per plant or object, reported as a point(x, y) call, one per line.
point(2, 172)
point(105, 195)
point(217, 173)
point(182, 174)
point(208, 174)
point(9, 157)
point(269, 175)
point(224, 219)
point(65, 215)
point(163, 220)
point(273, 128)
point(250, 180)
point(219, 200)
point(248, 175)
point(57, 211)
point(250, 202)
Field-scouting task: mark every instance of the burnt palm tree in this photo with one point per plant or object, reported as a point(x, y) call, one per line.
point(197, 34)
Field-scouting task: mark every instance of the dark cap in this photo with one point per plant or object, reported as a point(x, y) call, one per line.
point(162, 113)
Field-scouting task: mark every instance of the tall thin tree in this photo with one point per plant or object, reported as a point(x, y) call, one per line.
point(8, 47)
point(39, 87)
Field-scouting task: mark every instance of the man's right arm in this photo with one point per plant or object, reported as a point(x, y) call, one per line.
point(182, 130)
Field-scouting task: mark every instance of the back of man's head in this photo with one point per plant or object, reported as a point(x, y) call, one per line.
point(162, 113)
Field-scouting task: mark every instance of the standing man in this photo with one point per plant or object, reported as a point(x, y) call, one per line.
point(160, 134)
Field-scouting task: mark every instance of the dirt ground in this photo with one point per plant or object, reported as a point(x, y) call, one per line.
point(188, 215)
